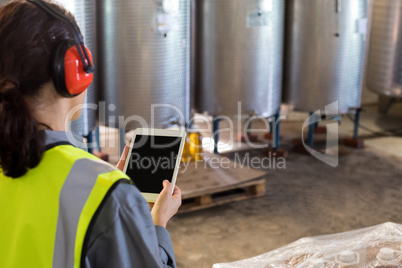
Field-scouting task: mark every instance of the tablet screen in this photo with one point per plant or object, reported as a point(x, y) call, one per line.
point(152, 160)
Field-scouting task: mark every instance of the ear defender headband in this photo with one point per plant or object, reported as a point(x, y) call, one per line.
point(72, 66)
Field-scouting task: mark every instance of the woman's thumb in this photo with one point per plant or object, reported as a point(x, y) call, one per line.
point(166, 184)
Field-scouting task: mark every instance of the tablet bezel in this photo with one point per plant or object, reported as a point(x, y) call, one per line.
point(181, 133)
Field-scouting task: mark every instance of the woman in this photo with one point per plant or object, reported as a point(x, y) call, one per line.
point(62, 207)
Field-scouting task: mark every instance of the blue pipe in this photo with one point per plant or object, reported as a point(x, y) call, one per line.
point(215, 126)
point(190, 124)
point(89, 138)
point(97, 139)
point(357, 123)
point(277, 125)
point(311, 127)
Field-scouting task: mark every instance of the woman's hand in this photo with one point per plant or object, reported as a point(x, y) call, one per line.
point(167, 205)
point(123, 158)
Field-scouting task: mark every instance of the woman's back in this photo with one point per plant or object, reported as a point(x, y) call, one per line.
point(62, 207)
point(49, 209)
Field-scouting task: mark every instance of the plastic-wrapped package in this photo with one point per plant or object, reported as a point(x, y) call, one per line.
point(377, 246)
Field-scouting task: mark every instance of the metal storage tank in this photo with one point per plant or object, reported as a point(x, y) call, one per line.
point(384, 71)
point(193, 54)
point(85, 15)
point(239, 56)
point(324, 53)
point(144, 59)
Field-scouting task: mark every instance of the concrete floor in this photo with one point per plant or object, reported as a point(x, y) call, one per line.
point(307, 198)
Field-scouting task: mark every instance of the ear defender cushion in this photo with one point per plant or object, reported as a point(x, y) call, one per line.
point(69, 76)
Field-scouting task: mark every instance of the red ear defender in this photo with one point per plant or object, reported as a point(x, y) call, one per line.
point(71, 65)
point(76, 79)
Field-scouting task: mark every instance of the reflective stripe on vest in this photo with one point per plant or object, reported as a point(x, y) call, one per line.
point(47, 212)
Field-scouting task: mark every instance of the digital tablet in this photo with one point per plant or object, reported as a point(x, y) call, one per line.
point(154, 156)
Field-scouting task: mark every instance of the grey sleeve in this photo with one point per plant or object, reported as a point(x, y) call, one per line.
point(124, 235)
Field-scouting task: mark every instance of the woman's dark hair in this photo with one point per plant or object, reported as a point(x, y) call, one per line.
point(28, 37)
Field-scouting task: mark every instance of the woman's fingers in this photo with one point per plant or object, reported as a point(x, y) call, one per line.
point(123, 158)
point(167, 186)
point(166, 204)
point(125, 153)
point(177, 192)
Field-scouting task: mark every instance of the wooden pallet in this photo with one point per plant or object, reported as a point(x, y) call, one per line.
point(206, 185)
point(224, 195)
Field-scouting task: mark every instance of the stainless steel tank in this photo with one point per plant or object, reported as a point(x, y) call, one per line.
point(384, 70)
point(85, 15)
point(324, 53)
point(193, 55)
point(144, 51)
point(239, 56)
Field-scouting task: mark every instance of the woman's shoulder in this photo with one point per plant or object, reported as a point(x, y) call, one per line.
point(127, 195)
point(69, 151)
point(80, 163)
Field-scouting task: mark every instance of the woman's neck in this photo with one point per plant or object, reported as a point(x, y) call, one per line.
point(49, 109)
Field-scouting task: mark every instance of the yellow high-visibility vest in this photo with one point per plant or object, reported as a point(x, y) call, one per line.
point(45, 214)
